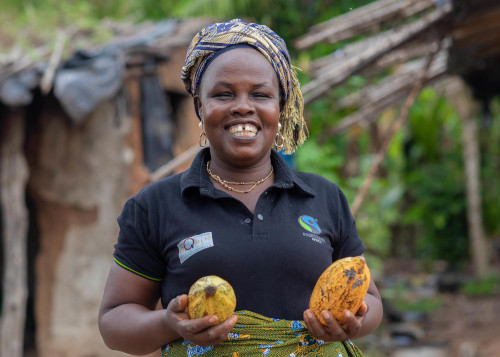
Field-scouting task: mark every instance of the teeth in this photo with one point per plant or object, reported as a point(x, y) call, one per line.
point(241, 130)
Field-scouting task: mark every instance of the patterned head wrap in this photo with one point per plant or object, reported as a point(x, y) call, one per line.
point(220, 36)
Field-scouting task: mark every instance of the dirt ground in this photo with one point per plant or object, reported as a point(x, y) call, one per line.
point(461, 325)
point(470, 326)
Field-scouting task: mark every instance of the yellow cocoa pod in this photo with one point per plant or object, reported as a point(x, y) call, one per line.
point(343, 285)
point(211, 295)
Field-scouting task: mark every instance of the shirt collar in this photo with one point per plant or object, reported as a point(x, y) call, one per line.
point(196, 177)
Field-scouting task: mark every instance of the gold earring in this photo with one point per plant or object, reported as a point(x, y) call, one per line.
point(203, 143)
point(279, 141)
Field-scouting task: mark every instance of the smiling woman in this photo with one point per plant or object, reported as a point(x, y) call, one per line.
point(239, 213)
point(240, 113)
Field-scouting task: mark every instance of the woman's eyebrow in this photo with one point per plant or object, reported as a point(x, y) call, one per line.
point(221, 83)
point(259, 85)
point(227, 84)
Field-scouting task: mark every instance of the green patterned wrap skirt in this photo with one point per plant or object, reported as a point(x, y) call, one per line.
point(257, 335)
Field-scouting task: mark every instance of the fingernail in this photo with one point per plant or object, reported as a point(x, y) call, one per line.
point(326, 315)
point(212, 320)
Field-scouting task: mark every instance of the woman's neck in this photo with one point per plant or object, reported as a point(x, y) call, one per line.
point(236, 173)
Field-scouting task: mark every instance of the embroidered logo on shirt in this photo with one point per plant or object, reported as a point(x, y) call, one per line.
point(309, 224)
point(192, 245)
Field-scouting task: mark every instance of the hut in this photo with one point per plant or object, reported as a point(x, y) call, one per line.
point(82, 129)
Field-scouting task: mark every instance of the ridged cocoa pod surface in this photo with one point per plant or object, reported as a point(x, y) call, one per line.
point(343, 285)
point(211, 295)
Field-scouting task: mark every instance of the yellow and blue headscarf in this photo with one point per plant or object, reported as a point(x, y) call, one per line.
point(219, 36)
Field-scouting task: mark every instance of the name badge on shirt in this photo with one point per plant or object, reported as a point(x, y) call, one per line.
point(192, 245)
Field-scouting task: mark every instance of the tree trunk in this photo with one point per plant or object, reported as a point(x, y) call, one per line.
point(13, 177)
point(469, 115)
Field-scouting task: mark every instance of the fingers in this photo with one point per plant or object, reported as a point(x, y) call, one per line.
point(331, 332)
point(363, 309)
point(179, 304)
point(352, 324)
point(203, 332)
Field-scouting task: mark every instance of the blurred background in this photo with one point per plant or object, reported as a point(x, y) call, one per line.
point(403, 108)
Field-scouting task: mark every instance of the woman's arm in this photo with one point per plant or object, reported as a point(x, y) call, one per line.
point(129, 321)
point(366, 320)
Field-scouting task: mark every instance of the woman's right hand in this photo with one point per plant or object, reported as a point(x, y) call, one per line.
point(203, 331)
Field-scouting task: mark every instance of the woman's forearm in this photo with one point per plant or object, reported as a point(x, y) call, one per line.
point(133, 329)
point(373, 316)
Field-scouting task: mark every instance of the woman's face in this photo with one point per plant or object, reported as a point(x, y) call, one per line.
point(239, 103)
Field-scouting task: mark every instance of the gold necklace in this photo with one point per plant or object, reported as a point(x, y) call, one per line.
point(226, 184)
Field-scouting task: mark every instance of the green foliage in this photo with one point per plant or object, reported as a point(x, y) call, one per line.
point(424, 305)
point(488, 286)
point(32, 24)
point(490, 169)
point(435, 181)
point(289, 18)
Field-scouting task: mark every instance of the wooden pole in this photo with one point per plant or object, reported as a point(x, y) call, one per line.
point(177, 161)
point(468, 111)
point(395, 126)
point(13, 177)
point(55, 60)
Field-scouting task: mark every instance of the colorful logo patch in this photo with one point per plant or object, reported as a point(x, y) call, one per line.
point(189, 246)
point(309, 224)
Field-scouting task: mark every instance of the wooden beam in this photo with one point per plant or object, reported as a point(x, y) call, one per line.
point(468, 111)
point(54, 61)
point(13, 178)
point(342, 70)
point(387, 94)
point(362, 20)
point(393, 129)
point(173, 164)
point(402, 80)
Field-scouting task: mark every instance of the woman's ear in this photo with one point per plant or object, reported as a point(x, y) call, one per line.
point(197, 103)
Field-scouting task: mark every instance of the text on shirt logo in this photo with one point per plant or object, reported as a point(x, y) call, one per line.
point(310, 225)
point(192, 245)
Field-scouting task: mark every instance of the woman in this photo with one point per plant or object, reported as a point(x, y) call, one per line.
point(240, 213)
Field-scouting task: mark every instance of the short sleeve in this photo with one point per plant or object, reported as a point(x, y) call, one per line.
point(349, 243)
point(135, 249)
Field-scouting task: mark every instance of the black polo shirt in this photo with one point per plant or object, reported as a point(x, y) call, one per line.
point(181, 228)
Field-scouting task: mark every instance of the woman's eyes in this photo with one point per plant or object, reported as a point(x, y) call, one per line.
point(222, 95)
point(228, 95)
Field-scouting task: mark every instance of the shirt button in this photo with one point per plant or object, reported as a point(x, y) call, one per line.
point(248, 220)
point(260, 217)
point(204, 189)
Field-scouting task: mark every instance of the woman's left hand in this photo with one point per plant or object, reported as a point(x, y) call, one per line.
point(334, 331)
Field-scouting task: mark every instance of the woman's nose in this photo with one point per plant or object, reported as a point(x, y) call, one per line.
point(242, 105)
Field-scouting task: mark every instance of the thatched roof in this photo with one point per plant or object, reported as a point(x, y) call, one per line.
point(403, 35)
point(80, 77)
